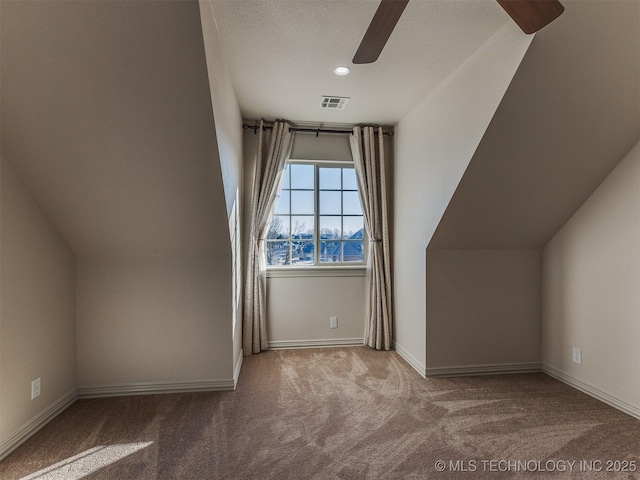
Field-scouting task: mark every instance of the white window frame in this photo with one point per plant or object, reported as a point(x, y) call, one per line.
point(337, 269)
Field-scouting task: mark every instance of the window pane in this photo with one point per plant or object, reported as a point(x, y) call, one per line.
point(316, 198)
point(330, 252)
point(330, 203)
point(283, 203)
point(277, 253)
point(279, 227)
point(330, 228)
point(330, 179)
point(302, 176)
point(353, 227)
point(302, 202)
point(302, 227)
point(353, 252)
point(286, 183)
point(302, 253)
point(349, 181)
point(351, 203)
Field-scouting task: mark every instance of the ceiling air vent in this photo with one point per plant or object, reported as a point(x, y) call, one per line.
point(334, 103)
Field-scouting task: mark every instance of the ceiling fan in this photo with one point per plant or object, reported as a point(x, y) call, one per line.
point(530, 15)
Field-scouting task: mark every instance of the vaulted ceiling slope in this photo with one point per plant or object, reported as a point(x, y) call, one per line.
point(281, 55)
point(569, 116)
point(106, 113)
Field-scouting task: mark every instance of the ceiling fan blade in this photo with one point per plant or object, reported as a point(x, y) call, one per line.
point(532, 15)
point(380, 28)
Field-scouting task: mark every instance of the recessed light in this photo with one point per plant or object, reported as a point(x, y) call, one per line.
point(342, 70)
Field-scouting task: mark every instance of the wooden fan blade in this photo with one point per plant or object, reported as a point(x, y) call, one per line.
point(380, 28)
point(532, 15)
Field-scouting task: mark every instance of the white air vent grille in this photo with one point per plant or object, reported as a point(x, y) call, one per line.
point(334, 103)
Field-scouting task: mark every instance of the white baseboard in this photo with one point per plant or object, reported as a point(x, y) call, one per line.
point(28, 429)
point(237, 368)
point(328, 342)
point(487, 369)
point(593, 391)
point(410, 359)
point(155, 388)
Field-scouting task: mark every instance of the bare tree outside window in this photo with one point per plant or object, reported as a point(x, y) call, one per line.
point(318, 218)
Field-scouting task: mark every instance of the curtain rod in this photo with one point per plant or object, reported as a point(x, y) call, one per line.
point(317, 131)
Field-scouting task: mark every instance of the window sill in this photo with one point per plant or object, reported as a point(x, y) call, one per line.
point(343, 271)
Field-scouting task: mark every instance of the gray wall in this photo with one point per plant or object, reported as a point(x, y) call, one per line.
point(551, 143)
point(110, 123)
point(181, 292)
point(37, 307)
point(483, 308)
point(433, 146)
point(152, 320)
point(591, 285)
point(228, 131)
point(299, 308)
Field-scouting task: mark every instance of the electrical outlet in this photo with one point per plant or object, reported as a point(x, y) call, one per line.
point(577, 356)
point(35, 388)
point(333, 322)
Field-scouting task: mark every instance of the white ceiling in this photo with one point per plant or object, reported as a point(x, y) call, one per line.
point(281, 55)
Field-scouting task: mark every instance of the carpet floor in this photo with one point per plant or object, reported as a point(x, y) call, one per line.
point(339, 413)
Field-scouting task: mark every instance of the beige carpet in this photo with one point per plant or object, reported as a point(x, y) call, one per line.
point(343, 413)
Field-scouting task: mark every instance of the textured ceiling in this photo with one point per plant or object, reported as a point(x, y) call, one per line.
point(106, 113)
point(569, 116)
point(281, 55)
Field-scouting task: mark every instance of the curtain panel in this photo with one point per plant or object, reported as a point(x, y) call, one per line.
point(369, 162)
point(274, 148)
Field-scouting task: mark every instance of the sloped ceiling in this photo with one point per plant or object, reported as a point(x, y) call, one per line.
point(106, 113)
point(281, 55)
point(106, 109)
point(569, 116)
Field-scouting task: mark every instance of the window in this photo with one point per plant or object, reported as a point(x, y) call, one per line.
point(317, 219)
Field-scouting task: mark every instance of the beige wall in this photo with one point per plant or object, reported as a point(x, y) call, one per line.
point(228, 132)
point(37, 303)
point(150, 315)
point(323, 147)
point(556, 135)
point(483, 307)
point(226, 112)
point(433, 146)
point(153, 319)
point(130, 165)
point(299, 308)
point(135, 172)
point(591, 285)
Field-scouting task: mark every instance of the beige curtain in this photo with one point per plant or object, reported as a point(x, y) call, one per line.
point(274, 147)
point(368, 157)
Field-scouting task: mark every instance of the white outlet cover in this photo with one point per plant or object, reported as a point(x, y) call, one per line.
point(333, 322)
point(36, 388)
point(577, 356)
